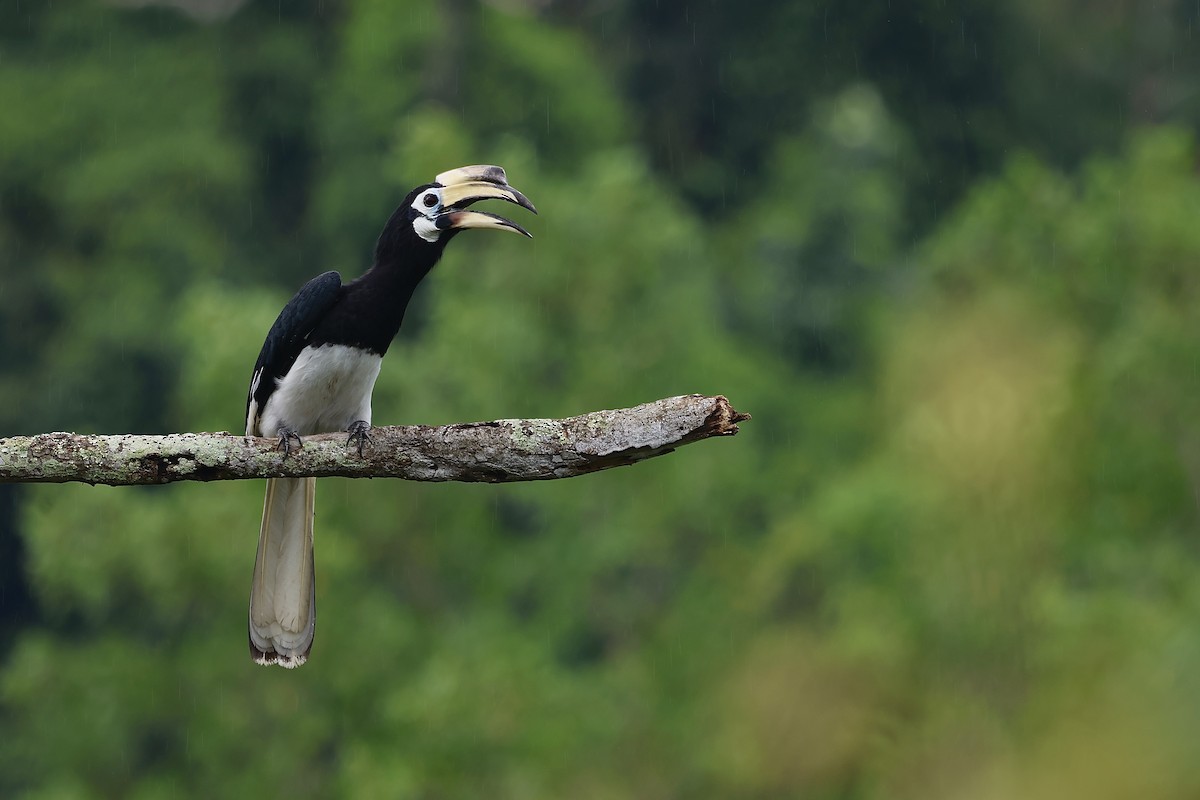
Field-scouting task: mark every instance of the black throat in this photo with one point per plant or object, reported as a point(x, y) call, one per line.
point(371, 307)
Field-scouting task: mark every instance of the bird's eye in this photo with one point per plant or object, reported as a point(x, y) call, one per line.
point(430, 200)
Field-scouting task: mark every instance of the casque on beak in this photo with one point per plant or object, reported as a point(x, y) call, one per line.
point(467, 185)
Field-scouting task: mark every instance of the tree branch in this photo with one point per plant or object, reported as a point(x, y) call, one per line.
point(489, 452)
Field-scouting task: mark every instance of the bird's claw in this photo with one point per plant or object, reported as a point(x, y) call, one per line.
point(359, 431)
point(286, 436)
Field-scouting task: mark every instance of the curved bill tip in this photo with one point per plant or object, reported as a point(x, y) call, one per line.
point(460, 195)
point(523, 201)
point(461, 220)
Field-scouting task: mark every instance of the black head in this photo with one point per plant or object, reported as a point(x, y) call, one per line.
point(433, 213)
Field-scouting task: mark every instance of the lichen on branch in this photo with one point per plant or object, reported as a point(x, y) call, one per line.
point(482, 452)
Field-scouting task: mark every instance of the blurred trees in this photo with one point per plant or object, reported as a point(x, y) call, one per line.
point(935, 251)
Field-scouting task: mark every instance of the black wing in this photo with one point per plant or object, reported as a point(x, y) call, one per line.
point(289, 334)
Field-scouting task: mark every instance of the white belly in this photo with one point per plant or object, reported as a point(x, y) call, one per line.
point(327, 388)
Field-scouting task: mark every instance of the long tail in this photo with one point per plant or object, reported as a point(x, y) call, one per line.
point(283, 601)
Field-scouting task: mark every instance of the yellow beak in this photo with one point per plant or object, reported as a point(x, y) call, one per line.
point(467, 185)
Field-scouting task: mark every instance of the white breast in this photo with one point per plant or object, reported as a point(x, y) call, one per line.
point(327, 388)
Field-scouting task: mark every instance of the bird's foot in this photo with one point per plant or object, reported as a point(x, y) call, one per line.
point(286, 437)
point(360, 435)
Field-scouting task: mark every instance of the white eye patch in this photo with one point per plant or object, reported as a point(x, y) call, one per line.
point(427, 205)
point(428, 202)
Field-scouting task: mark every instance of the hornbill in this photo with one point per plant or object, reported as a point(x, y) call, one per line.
point(315, 375)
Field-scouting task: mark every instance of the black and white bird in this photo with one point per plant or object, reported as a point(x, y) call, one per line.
point(315, 375)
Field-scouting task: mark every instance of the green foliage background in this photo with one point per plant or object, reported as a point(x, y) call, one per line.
point(946, 254)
